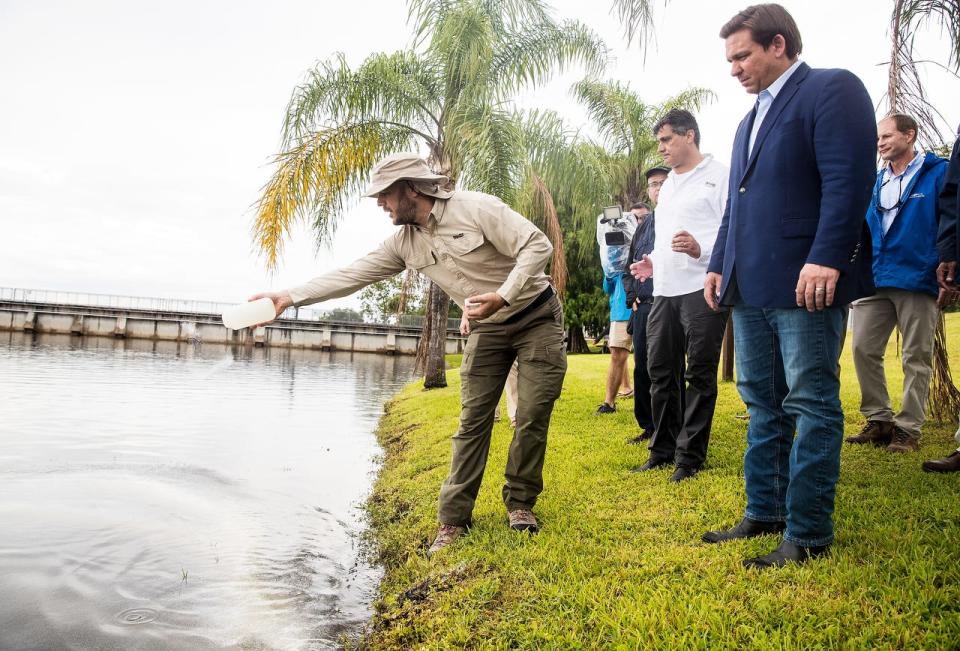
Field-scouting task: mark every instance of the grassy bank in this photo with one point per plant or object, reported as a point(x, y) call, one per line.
point(619, 562)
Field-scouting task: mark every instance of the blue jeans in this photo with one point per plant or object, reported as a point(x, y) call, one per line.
point(787, 374)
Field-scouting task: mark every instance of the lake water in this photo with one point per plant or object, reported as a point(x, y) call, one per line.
point(173, 496)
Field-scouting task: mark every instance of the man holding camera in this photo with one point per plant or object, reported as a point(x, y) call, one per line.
point(682, 327)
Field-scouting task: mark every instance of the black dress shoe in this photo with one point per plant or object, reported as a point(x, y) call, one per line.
point(747, 528)
point(683, 472)
point(787, 552)
point(643, 437)
point(947, 464)
point(651, 464)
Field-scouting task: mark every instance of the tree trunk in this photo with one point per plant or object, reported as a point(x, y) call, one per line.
point(435, 333)
point(575, 340)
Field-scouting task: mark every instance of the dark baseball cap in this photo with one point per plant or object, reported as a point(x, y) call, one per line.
point(659, 169)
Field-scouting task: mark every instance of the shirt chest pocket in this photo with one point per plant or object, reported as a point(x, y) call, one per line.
point(463, 243)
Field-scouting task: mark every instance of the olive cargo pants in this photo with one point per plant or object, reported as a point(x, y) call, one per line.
point(536, 342)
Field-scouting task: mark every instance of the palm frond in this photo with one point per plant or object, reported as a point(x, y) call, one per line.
point(402, 87)
point(905, 91)
point(486, 143)
point(315, 178)
point(636, 16)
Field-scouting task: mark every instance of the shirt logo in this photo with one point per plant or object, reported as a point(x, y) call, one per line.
point(458, 236)
point(711, 184)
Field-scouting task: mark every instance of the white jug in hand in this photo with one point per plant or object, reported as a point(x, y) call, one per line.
point(245, 315)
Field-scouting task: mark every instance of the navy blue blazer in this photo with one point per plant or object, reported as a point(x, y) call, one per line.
point(802, 194)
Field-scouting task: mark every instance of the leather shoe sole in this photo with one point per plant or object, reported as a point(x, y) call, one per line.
point(746, 528)
point(787, 552)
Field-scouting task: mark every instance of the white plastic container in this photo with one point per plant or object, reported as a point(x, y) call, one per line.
point(245, 315)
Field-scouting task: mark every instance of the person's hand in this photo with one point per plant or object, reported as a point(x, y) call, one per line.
point(684, 242)
point(816, 287)
point(483, 305)
point(464, 325)
point(642, 269)
point(947, 275)
point(947, 297)
point(711, 290)
point(281, 301)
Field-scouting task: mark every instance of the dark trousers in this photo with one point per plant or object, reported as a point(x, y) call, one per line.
point(684, 337)
point(642, 410)
point(536, 342)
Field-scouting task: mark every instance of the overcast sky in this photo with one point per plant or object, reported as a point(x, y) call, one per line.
point(135, 136)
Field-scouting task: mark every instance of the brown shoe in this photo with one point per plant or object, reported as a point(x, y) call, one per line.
point(876, 432)
point(523, 520)
point(446, 535)
point(947, 464)
point(903, 441)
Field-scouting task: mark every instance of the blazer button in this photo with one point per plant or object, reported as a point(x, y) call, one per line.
point(742, 190)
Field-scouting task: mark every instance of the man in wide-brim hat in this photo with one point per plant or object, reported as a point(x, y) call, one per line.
point(491, 261)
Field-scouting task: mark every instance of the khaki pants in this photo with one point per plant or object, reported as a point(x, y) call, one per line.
point(915, 314)
point(536, 342)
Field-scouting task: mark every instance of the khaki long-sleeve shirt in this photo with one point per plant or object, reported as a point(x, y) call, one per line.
point(473, 244)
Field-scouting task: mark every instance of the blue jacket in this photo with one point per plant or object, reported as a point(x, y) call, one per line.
point(947, 241)
point(906, 256)
point(618, 298)
point(801, 195)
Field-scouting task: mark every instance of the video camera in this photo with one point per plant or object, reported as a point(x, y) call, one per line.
point(615, 229)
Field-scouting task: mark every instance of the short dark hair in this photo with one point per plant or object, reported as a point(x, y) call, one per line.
point(681, 121)
point(765, 22)
point(904, 123)
point(638, 205)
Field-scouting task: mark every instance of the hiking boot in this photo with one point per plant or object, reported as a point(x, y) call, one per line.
point(947, 464)
point(875, 432)
point(604, 408)
point(523, 520)
point(446, 535)
point(903, 441)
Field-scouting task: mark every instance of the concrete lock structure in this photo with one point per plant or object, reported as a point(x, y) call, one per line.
point(100, 315)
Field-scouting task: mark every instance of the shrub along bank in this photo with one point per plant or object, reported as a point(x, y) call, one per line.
point(619, 562)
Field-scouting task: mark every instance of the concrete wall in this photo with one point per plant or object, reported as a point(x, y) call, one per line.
point(158, 326)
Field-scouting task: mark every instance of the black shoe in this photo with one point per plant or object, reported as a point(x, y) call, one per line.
point(947, 464)
point(651, 464)
point(643, 437)
point(683, 472)
point(604, 408)
point(747, 528)
point(787, 552)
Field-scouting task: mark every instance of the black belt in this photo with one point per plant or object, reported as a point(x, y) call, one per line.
point(645, 301)
point(542, 298)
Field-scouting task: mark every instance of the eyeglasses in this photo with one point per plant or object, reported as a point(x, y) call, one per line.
point(655, 184)
point(878, 192)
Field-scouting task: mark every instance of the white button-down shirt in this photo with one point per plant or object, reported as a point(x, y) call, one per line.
point(893, 186)
point(692, 202)
point(765, 99)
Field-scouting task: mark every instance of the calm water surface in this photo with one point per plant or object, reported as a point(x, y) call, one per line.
point(165, 496)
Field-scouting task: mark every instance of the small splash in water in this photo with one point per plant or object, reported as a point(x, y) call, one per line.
point(219, 366)
point(135, 616)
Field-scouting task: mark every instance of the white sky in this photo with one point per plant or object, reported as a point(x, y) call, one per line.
point(135, 137)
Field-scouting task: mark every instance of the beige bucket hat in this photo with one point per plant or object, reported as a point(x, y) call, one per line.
point(406, 167)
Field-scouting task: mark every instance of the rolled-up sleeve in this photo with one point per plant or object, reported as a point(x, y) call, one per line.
point(380, 264)
point(515, 236)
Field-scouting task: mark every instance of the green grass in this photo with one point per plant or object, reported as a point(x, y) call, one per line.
point(619, 563)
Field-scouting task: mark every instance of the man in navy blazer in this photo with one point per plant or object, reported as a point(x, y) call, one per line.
point(792, 251)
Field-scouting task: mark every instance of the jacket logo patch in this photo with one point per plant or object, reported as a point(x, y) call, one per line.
point(458, 236)
point(918, 195)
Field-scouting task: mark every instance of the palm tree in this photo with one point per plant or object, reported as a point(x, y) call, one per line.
point(450, 95)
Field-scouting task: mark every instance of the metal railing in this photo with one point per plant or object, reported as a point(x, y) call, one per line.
point(213, 308)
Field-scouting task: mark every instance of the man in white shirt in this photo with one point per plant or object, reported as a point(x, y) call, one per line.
point(684, 335)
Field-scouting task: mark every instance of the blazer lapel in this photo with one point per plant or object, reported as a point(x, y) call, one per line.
point(773, 114)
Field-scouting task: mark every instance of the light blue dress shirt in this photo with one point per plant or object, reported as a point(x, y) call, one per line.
point(894, 185)
point(765, 99)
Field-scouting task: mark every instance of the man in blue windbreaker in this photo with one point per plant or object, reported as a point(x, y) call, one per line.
point(903, 217)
